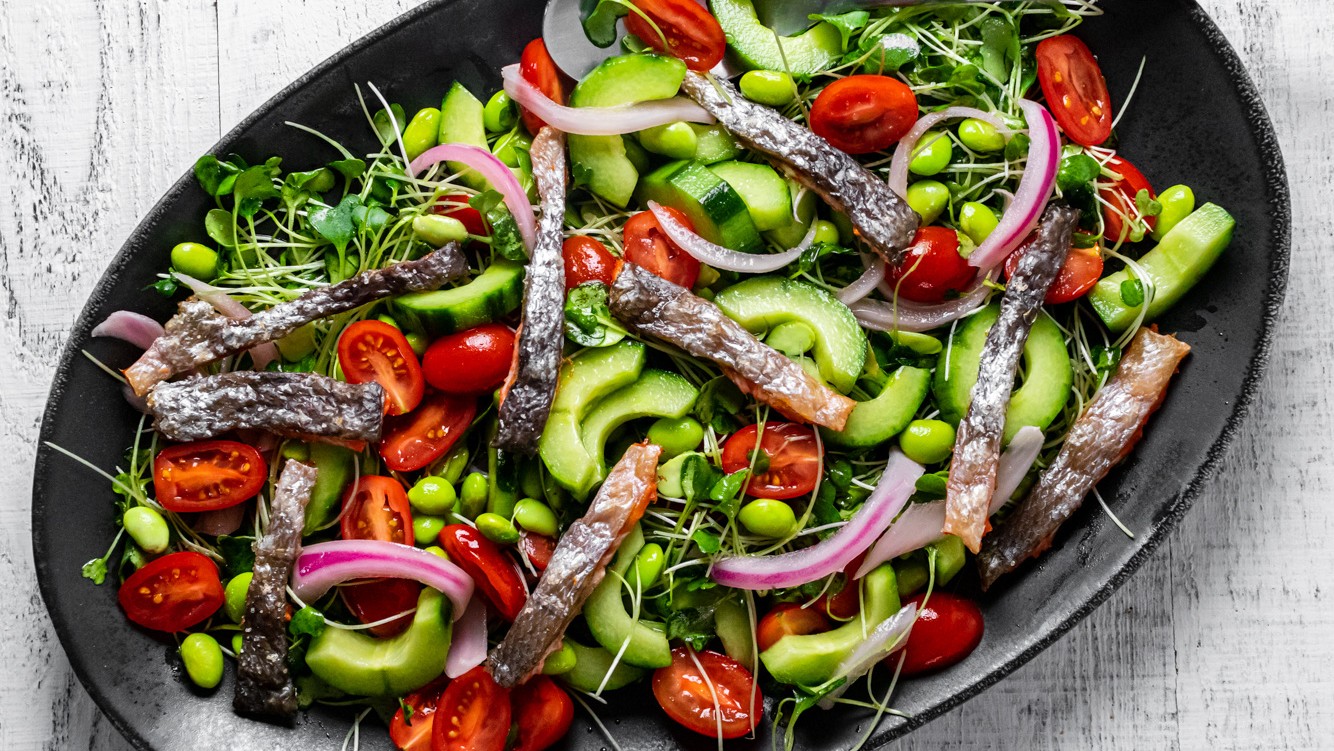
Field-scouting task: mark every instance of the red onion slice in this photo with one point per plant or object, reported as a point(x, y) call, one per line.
point(260, 354)
point(906, 315)
point(1035, 188)
point(601, 121)
point(322, 566)
point(135, 328)
point(886, 639)
point(834, 554)
point(898, 169)
point(494, 171)
point(921, 524)
point(866, 283)
point(722, 258)
point(467, 649)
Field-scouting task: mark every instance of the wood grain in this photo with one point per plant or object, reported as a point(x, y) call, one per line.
point(1223, 640)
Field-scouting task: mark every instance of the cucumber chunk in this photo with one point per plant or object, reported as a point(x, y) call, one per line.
point(656, 393)
point(644, 642)
point(756, 45)
point(493, 294)
point(764, 191)
point(590, 670)
point(462, 121)
point(717, 211)
point(880, 419)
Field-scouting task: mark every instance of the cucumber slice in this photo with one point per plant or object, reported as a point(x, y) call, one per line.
point(764, 191)
point(585, 379)
point(1047, 373)
point(1185, 254)
point(756, 45)
point(461, 121)
point(799, 221)
point(656, 393)
point(600, 162)
point(590, 670)
point(644, 642)
point(761, 303)
point(880, 419)
point(717, 211)
point(715, 144)
point(493, 294)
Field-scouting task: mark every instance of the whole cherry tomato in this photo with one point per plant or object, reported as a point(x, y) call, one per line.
point(947, 630)
point(691, 33)
point(727, 702)
point(172, 593)
point(931, 268)
point(473, 361)
point(790, 465)
point(375, 351)
point(864, 113)
point(207, 475)
point(496, 574)
point(1075, 89)
point(648, 246)
point(587, 260)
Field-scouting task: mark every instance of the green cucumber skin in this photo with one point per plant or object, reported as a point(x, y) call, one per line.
point(656, 393)
point(761, 303)
point(493, 294)
point(719, 214)
point(1048, 373)
point(613, 626)
point(764, 191)
point(1181, 259)
point(876, 421)
point(803, 55)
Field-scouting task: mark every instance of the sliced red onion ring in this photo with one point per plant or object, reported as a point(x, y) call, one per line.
point(135, 328)
point(921, 523)
point(886, 639)
point(722, 258)
point(1044, 159)
point(898, 168)
point(601, 121)
point(906, 315)
point(834, 554)
point(866, 283)
point(260, 354)
point(467, 648)
point(223, 521)
point(322, 566)
point(494, 171)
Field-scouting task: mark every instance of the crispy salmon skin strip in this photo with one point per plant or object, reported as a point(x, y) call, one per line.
point(654, 306)
point(577, 566)
point(198, 335)
point(881, 217)
point(527, 401)
point(977, 446)
point(1104, 434)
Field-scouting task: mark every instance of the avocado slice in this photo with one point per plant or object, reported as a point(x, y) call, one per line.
point(761, 303)
point(600, 162)
point(1047, 373)
point(613, 626)
point(493, 294)
point(715, 208)
point(804, 55)
point(875, 421)
point(361, 664)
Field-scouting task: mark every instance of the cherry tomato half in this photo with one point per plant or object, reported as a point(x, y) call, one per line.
point(543, 712)
point(470, 362)
point(931, 268)
point(789, 618)
point(456, 206)
point(864, 113)
point(648, 246)
point(537, 68)
point(791, 453)
point(1075, 89)
point(496, 575)
point(413, 441)
point(412, 732)
point(537, 549)
point(376, 508)
point(1122, 195)
point(947, 630)
point(375, 351)
point(172, 593)
point(692, 33)
point(1081, 270)
point(732, 707)
point(207, 475)
point(587, 260)
point(846, 603)
point(473, 714)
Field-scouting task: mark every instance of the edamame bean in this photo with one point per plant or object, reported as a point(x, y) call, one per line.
point(497, 528)
point(792, 338)
point(147, 528)
point(388, 319)
point(927, 441)
point(234, 596)
point(649, 565)
point(499, 115)
point(508, 147)
point(933, 154)
point(237, 641)
point(675, 140)
point(770, 87)
point(296, 450)
point(437, 551)
point(1178, 202)
point(426, 529)
point(767, 518)
point(437, 231)
point(560, 662)
point(929, 199)
point(432, 495)
point(980, 135)
point(676, 436)
point(193, 259)
point(422, 133)
point(535, 516)
point(418, 342)
point(474, 495)
point(826, 232)
point(977, 221)
point(453, 465)
point(203, 660)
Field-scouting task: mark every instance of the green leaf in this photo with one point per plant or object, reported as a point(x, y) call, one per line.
point(813, 254)
point(846, 23)
point(707, 541)
point(238, 554)
point(588, 321)
point(309, 621)
point(1132, 292)
point(1105, 359)
point(1147, 204)
point(718, 404)
point(335, 223)
point(349, 168)
point(693, 626)
point(254, 186)
point(840, 474)
point(370, 218)
point(214, 176)
point(221, 227)
point(698, 476)
point(825, 512)
point(1017, 148)
point(885, 54)
point(95, 570)
point(599, 19)
point(726, 492)
point(165, 287)
point(1077, 173)
point(1000, 47)
point(933, 484)
point(384, 127)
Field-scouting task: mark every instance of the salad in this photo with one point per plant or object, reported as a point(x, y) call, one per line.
point(660, 380)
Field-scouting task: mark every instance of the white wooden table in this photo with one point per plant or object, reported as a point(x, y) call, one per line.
point(1225, 639)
